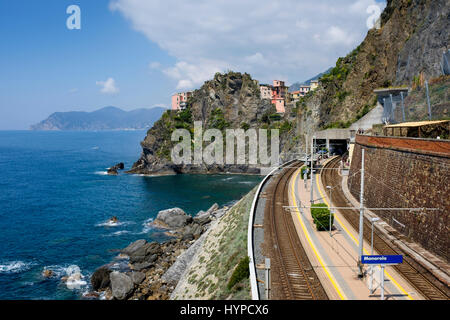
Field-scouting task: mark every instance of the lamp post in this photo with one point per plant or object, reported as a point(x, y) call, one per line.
point(361, 217)
point(329, 188)
point(312, 171)
point(373, 220)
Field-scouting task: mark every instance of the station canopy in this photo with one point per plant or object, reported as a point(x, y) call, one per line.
point(419, 129)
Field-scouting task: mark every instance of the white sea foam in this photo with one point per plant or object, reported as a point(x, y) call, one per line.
point(110, 223)
point(59, 271)
point(147, 226)
point(15, 266)
point(75, 278)
point(102, 173)
point(72, 273)
point(117, 233)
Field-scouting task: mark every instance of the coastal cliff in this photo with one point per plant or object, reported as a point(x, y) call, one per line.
point(229, 101)
point(408, 46)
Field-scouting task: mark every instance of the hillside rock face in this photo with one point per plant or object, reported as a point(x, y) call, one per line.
point(229, 101)
point(409, 44)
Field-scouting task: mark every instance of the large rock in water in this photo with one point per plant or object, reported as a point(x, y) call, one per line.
point(100, 278)
point(114, 169)
point(172, 218)
point(121, 285)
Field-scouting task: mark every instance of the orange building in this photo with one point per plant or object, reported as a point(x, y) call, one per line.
point(279, 95)
point(179, 100)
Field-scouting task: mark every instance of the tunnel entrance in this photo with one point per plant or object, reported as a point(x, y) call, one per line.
point(338, 146)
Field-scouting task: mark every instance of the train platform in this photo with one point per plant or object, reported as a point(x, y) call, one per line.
point(334, 254)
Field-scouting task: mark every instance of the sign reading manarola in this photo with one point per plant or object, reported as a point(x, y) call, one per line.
point(225, 154)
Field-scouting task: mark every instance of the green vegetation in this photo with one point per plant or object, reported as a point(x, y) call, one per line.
point(183, 119)
point(241, 272)
point(321, 216)
point(218, 120)
point(338, 125)
point(225, 274)
point(341, 95)
point(346, 124)
point(339, 72)
point(303, 171)
point(275, 117)
point(245, 126)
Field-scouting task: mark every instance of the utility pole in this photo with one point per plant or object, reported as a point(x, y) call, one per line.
point(330, 213)
point(361, 216)
point(392, 108)
point(403, 107)
point(267, 285)
point(312, 171)
point(428, 100)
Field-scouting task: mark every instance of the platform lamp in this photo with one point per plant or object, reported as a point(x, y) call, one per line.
point(329, 208)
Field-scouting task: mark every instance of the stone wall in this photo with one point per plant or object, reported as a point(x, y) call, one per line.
point(407, 173)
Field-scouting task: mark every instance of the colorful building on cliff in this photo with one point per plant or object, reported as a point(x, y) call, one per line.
point(278, 94)
point(314, 84)
point(179, 100)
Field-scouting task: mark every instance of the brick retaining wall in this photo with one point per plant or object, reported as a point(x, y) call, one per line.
point(406, 172)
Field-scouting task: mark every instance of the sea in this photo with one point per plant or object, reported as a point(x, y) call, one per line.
point(56, 200)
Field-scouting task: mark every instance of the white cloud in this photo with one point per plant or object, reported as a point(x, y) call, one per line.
point(108, 86)
point(266, 38)
point(257, 59)
point(335, 36)
point(191, 75)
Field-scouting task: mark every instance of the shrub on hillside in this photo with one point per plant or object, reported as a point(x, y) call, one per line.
point(241, 272)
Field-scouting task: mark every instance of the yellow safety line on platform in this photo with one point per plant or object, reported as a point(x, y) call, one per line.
point(356, 241)
point(308, 238)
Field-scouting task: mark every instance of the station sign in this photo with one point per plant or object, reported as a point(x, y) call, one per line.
point(382, 259)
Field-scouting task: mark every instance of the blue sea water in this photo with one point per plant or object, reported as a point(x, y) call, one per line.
point(55, 200)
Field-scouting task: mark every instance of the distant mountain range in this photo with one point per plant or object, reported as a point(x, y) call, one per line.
point(108, 118)
point(296, 86)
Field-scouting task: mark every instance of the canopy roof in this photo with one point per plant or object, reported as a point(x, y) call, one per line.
point(415, 124)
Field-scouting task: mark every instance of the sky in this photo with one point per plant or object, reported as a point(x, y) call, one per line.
point(137, 53)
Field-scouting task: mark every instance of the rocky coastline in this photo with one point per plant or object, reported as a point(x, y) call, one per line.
point(151, 270)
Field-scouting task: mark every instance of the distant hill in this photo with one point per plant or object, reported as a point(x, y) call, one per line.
point(108, 118)
point(296, 86)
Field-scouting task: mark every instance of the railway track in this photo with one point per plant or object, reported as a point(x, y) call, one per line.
point(420, 278)
point(293, 277)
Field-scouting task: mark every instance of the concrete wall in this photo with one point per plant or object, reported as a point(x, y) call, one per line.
point(373, 117)
point(406, 172)
point(336, 134)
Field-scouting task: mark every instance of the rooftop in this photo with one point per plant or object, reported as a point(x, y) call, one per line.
point(391, 90)
point(415, 124)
